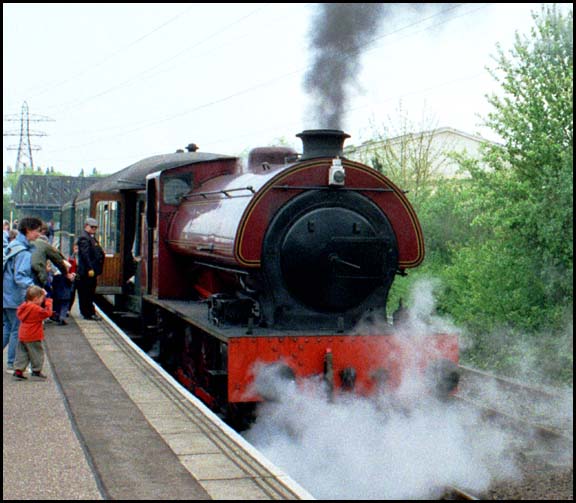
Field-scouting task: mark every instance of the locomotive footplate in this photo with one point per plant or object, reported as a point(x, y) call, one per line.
point(198, 313)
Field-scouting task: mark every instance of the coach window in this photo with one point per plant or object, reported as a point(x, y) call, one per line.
point(108, 216)
point(80, 217)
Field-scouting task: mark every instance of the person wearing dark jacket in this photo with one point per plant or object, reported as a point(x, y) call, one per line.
point(62, 285)
point(90, 266)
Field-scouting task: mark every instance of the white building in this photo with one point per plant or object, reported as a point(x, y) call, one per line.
point(431, 147)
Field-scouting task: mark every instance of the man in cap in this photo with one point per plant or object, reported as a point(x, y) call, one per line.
point(90, 265)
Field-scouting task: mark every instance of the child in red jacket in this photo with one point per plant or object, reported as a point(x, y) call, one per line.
point(32, 313)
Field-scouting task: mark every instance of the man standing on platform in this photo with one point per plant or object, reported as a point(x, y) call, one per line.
point(90, 265)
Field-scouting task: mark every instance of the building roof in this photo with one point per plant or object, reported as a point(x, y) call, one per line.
point(431, 132)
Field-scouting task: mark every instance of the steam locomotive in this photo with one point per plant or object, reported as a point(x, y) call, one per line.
point(230, 267)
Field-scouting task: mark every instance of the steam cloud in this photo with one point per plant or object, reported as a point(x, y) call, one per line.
point(409, 446)
point(358, 449)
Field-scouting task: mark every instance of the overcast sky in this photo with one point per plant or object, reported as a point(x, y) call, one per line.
point(127, 81)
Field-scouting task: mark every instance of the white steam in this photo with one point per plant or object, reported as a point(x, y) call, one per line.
point(402, 447)
point(356, 448)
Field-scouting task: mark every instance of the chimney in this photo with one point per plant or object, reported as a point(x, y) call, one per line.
point(322, 143)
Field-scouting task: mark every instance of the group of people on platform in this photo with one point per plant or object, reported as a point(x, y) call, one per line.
point(40, 283)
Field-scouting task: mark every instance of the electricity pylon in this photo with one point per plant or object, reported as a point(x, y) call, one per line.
point(25, 148)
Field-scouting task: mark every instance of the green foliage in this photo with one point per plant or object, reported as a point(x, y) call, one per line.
point(528, 199)
point(519, 276)
point(535, 119)
point(502, 240)
point(535, 114)
point(489, 285)
point(445, 217)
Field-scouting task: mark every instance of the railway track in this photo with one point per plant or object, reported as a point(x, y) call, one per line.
point(453, 493)
point(540, 415)
point(468, 374)
point(539, 424)
point(549, 411)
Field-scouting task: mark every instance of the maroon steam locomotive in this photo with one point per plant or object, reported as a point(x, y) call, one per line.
point(229, 267)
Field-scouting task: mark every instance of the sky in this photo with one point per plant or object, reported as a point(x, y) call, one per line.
point(121, 82)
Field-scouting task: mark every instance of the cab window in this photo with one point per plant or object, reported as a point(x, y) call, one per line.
point(176, 187)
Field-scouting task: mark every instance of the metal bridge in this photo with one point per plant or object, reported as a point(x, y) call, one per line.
point(41, 195)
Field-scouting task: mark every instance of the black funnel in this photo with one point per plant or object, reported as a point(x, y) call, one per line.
point(322, 143)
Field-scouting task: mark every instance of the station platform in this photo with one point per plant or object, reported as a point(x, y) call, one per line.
point(108, 424)
point(42, 457)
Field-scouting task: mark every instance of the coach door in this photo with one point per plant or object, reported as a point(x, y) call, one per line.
point(151, 235)
point(108, 210)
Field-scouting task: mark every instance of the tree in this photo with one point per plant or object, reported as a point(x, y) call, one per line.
point(519, 275)
point(535, 119)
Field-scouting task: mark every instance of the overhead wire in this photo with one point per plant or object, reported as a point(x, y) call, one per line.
point(113, 55)
point(257, 86)
point(370, 43)
point(136, 78)
point(148, 124)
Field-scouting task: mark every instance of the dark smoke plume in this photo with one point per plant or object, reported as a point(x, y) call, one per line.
point(338, 34)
